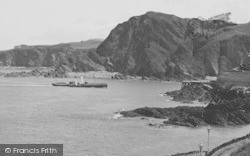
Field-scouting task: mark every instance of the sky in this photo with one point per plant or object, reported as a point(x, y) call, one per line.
point(39, 22)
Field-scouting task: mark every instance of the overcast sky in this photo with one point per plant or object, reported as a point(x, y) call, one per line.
point(55, 21)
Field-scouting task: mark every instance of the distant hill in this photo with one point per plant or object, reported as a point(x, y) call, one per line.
point(61, 56)
point(89, 44)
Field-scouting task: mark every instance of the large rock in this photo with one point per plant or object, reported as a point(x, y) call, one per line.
point(230, 106)
point(194, 91)
point(182, 116)
point(143, 45)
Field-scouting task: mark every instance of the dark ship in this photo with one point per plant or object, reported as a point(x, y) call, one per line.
point(83, 83)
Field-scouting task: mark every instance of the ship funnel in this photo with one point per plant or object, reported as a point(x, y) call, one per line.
point(82, 79)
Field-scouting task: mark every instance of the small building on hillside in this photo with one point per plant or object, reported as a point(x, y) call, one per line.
point(22, 46)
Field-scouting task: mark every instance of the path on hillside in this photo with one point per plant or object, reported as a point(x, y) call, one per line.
point(230, 149)
point(240, 32)
point(194, 153)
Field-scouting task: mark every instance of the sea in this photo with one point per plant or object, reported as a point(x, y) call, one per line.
point(32, 111)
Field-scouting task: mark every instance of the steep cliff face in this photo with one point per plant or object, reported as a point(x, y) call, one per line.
point(143, 44)
point(61, 56)
point(169, 47)
point(223, 53)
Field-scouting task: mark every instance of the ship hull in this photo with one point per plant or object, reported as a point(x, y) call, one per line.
point(61, 84)
point(91, 85)
point(85, 85)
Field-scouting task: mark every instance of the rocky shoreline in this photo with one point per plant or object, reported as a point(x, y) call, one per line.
point(36, 73)
point(192, 91)
point(180, 116)
point(227, 106)
point(59, 73)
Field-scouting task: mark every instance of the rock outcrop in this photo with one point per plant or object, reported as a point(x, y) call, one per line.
point(228, 106)
point(181, 116)
point(143, 45)
point(192, 91)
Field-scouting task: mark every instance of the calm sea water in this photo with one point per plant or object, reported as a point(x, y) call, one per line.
point(32, 111)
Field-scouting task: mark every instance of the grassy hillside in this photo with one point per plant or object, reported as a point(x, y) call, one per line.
point(89, 44)
point(234, 78)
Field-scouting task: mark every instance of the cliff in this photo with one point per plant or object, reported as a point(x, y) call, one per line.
point(169, 47)
point(143, 45)
point(62, 57)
